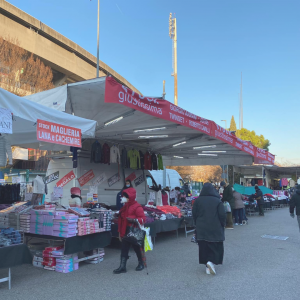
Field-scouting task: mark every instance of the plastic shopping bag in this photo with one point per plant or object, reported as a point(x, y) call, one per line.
point(227, 207)
point(148, 246)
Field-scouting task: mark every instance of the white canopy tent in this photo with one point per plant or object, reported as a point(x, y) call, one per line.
point(123, 125)
point(25, 116)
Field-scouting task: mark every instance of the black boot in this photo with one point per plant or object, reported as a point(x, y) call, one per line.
point(122, 268)
point(140, 266)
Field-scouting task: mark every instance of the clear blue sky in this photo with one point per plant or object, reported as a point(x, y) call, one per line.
point(217, 39)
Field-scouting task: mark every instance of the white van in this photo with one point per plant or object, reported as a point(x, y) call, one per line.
point(173, 179)
point(143, 181)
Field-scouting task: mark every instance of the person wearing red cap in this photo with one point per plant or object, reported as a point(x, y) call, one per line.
point(76, 199)
point(129, 214)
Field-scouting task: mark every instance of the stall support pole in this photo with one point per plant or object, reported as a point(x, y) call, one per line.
point(145, 179)
point(165, 177)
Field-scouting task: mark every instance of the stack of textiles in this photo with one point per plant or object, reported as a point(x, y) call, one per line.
point(4, 221)
point(65, 224)
point(88, 226)
point(65, 263)
point(38, 260)
point(99, 253)
point(50, 206)
point(152, 214)
point(13, 220)
point(170, 209)
point(81, 212)
point(9, 237)
point(41, 222)
point(104, 217)
point(25, 222)
point(49, 260)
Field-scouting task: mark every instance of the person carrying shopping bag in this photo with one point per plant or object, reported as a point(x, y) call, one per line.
point(228, 197)
point(129, 216)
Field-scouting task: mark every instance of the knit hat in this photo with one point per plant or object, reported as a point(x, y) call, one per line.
point(222, 183)
point(75, 191)
point(256, 187)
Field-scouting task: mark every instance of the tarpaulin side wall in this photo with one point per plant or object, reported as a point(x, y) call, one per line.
point(25, 116)
point(163, 109)
point(249, 190)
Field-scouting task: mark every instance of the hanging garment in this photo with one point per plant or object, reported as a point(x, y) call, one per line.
point(114, 155)
point(96, 152)
point(164, 198)
point(5, 151)
point(154, 161)
point(118, 200)
point(105, 154)
point(160, 162)
point(29, 188)
point(124, 159)
point(159, 199)
point(38, 185)
point(284, 182)
point(134, 158)
point(142, 160)
point(292, 183)
point(10, 193)
point(75, 155)
point(147, 161)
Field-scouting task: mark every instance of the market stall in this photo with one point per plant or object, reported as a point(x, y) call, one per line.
point(27, 124)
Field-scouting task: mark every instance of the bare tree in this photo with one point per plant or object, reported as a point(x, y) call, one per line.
point(199, 173)
point(20, 72)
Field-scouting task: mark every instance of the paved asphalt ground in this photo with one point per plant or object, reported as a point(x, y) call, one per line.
point(254, 268)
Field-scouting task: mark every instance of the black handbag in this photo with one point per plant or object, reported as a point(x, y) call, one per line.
point(135, 236)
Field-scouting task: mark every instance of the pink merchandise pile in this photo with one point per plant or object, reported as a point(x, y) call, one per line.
point(61, 223)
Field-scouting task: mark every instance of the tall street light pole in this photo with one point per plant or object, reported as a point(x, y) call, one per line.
point(98, 33)
point(173, 36)
point(225, 123)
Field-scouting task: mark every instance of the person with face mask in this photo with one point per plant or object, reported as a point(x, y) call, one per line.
point(119, 203)
point(131, 213)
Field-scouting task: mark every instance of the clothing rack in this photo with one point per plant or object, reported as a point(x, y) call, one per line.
point(120, 144)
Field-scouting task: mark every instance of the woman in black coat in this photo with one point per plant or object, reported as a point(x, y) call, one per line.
point(210, 219)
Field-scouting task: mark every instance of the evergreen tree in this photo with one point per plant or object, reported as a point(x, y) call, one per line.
point(257, 140)
point(232, 124)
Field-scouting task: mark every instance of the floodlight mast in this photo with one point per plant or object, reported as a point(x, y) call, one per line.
point(173, 36)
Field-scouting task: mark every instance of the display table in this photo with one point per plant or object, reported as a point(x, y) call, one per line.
point(188, 222)
point(14, 256)
point(156, 227)
point(77, 244)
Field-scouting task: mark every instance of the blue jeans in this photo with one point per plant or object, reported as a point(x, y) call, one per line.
point(238, 215)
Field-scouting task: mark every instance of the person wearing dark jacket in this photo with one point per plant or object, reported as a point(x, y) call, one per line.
point(228, 197)
point(131, 213)
point(186, 189)
point(295, 203)
point(210, 218)
point(259, 197)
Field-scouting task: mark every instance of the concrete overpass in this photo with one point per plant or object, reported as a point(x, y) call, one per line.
point(68, 61)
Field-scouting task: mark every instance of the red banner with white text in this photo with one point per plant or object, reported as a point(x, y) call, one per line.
point(163, 109)
point(58, 134)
